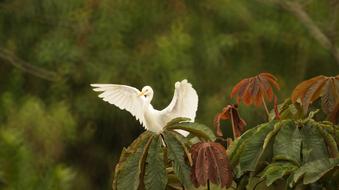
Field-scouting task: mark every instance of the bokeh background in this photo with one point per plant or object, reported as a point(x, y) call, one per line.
point(54, 131)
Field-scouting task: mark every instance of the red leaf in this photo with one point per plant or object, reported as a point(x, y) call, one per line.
point(251, 90)
point(210, 162)
point(326, 88)
point(230, 112)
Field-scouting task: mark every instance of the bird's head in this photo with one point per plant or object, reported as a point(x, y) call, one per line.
point(147, 91)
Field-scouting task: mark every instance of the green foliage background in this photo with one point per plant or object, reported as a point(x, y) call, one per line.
point(54, 131)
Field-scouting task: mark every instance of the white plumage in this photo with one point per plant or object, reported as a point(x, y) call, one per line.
point(184, 103)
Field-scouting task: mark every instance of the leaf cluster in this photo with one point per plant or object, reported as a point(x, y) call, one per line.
point(298, 153)
point(159, 161)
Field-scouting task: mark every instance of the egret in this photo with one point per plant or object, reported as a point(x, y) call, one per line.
point(184, 103)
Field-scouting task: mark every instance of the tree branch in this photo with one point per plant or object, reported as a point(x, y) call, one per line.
point(297, 10)
point(9, 57)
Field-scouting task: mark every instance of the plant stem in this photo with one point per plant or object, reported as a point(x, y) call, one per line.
point(265, 106)
point(233, 127)
point(208, 185)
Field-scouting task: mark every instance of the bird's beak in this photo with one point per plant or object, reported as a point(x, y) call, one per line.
point(141, 94)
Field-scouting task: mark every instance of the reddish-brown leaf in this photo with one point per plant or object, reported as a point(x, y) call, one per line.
point(326, 88)
point(299, 91)
point(328, 100)
point(230, 112)
point(252, 90)
point(210, 162)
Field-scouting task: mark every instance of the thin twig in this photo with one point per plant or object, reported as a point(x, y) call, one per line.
point(233, 126)
point(9, 57)
point(265, 106)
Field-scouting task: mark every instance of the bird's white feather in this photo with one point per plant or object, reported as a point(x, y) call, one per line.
point(124, 97)
point(184, 102)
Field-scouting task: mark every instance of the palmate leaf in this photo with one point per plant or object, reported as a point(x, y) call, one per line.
point(132, 159)
point(155, 170)
point(230, 112)
point(278, 170)
point(252, 90)
point(313, 171)
point(278, 152)
point(331, 143)
point(253, 150)
point(143, 163)
point(176, 153)
point(313, 143)
point(326, 88)
point(210, 163)
point(196, 129)
point(287, 144)
point(237, 146)
point(288, 110)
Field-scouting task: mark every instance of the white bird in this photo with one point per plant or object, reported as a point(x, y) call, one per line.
point(184, 103)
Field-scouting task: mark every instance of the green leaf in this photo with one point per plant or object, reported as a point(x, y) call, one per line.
point(277, 170)
point(313, 171)
point(176, 154)
point(273, 133)
point(185, 144)
point(155, 170)
point(288, 110)
point(329, 139)
point(177, 120)
point(196, 129)
point(253, 150)
point(287, 145)
point(234, 150)
point(132, 159)
point(313, 146)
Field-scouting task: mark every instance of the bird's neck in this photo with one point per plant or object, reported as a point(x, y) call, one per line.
point(149, 98)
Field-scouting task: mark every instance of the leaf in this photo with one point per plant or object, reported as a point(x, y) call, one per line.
point(230, 112)
point(329, 98)
point(155, 170)
point(277, 170)
point(196, 129)
point(326, 88)
point(132, 159)
point(288, 110)
point(313, 171)
point(253, 150)
point(237, 146)
point(273, 133)
point(177, 154)
point(330, 141)
point(185, 144)
point(252, 90)
point(210, 162)
point(313, 144)
point(287, 144)
point(177, 120)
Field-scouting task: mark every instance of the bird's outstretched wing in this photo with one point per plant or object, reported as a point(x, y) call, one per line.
point(184, 102)
point(124, 97)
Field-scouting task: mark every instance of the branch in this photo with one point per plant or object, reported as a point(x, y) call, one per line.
point(27, 67)
point(297, 10)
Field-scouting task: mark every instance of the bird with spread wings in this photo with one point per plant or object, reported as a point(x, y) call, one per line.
point(184, 103)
